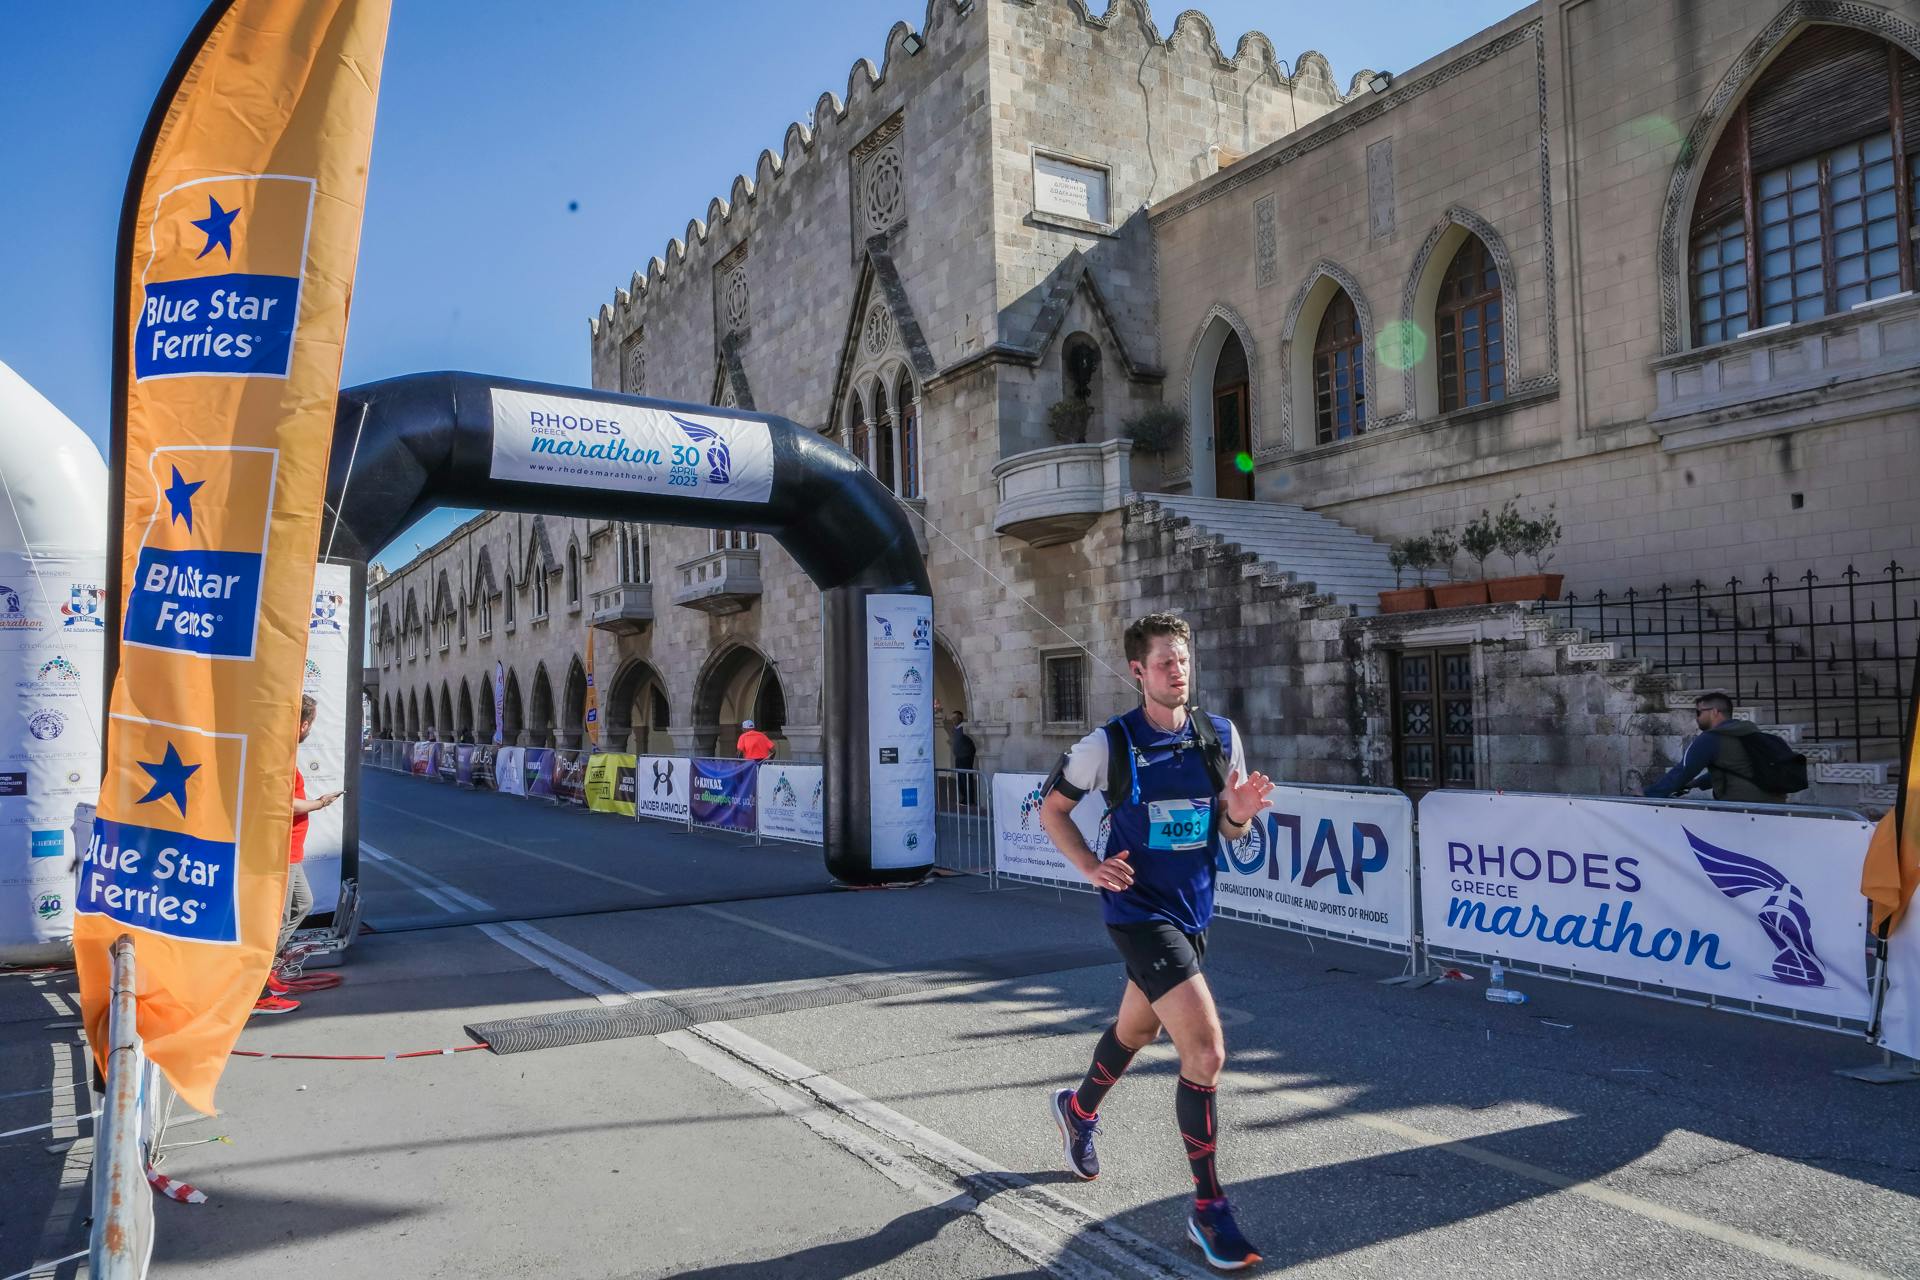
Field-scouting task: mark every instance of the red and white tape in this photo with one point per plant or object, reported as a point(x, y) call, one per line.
point(175, 1190)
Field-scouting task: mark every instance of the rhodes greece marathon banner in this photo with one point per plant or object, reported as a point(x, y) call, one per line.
point(323, 756)
point(593, 445)
point(1762, 907)
point(236, 259)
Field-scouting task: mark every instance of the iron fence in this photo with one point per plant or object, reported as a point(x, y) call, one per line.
point(1829, 655)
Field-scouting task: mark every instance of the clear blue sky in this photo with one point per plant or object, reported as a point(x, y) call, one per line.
point(496, 119)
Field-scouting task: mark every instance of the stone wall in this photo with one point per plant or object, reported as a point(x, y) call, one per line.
point(1568, 138)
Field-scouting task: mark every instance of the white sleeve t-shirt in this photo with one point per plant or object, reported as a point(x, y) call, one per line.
point(1086, 765)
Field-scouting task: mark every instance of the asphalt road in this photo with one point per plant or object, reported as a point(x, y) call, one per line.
point(1367, 1130)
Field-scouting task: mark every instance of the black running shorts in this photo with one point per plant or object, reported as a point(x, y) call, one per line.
point(1158, 956)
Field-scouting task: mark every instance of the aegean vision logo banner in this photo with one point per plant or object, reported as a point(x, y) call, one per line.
point(591, 444)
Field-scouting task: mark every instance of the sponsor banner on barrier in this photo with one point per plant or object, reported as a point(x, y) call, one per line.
point(538, 771)
point(323, 756)
point(510, 771)
point(661, 788)
point(723, 794)
point(1021, 848)
point(1763, 907)
point(900, 729)
point(610, 782)
point(483, 765)
point(420, 760)
point(792, 802)
point(1328, 859)
point(570, 777)
point(590, 444)
point(447, 761)
point(463, 764)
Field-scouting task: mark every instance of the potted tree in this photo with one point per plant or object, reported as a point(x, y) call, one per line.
point(1477, 541)
point(1533, 536)
point(1154, 430)
point(1068, 419)
point(1415, 554)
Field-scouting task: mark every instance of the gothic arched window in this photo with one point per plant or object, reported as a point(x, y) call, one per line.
point(1339, 377)
point(1467, 324)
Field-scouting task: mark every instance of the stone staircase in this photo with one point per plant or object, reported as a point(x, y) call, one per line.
point(1840, 776)
point(1290, 545)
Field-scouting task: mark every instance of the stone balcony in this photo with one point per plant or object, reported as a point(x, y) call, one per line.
point(1054, 495)
point(1837, 368)
point(625, 610)
point(719, 582)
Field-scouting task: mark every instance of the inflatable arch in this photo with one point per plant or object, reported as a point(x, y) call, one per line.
point(407, 445)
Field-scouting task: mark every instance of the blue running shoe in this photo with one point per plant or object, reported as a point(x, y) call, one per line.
point(1076, 1136)
point(1211, 1226)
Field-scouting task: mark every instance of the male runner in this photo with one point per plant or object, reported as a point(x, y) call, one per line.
point(1186, 789)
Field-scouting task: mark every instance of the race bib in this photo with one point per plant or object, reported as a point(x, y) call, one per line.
point(1175, 825)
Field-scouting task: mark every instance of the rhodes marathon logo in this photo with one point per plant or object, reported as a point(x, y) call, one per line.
point(557, 440)
point(166, 861)
point(329, 612)
point(14, 617)
point(221, 282)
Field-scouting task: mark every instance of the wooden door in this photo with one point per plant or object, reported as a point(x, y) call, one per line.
point(1232, 438)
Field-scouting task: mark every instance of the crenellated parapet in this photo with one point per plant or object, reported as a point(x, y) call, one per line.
point(802, 138)
point(1190, 51)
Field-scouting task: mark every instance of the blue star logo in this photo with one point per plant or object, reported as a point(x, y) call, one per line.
point(179, 496)
point(169, 775)
point(218, 227)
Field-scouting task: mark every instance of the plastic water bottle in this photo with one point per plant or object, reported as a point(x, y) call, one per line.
point(1499, 992)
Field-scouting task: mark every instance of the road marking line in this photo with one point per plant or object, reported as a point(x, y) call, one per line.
point(798, 939)
point(514, 848)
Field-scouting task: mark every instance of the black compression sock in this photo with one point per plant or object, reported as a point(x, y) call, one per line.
point(1110, 1059)
point(1193, 1109)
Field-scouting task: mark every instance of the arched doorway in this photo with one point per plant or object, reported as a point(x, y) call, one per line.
point(446, 713)
point(463, 713)
point(540, 729)
point(949, 699)
point(635, 710)
point(1221, 398)
point(513, 724)
point(573, 707)
point(483, 710)
point(737, 686)
point(427, 722)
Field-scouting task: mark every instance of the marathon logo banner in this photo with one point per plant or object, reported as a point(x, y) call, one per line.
point(166, 860)
point(234, 269)
point(1750, 906)
point(196, 583)
point(222, 278)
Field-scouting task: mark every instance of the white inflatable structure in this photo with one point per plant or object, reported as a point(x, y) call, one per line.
point(53, 541)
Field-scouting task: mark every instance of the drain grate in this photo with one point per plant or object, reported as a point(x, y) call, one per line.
point(656, 1015)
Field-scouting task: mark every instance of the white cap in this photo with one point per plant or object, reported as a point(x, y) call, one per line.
point(746, 724)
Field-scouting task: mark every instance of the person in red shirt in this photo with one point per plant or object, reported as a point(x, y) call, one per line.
point(299, 892)
point(753, 744)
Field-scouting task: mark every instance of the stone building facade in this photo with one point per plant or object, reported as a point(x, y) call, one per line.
point(1512, 271)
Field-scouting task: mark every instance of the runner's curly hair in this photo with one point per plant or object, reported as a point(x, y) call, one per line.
point(1141, 631)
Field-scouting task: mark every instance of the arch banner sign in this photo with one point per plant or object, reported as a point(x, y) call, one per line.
point(236, 258)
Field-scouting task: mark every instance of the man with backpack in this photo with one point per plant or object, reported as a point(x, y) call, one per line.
point(1177, 789)
point(1741, 762)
